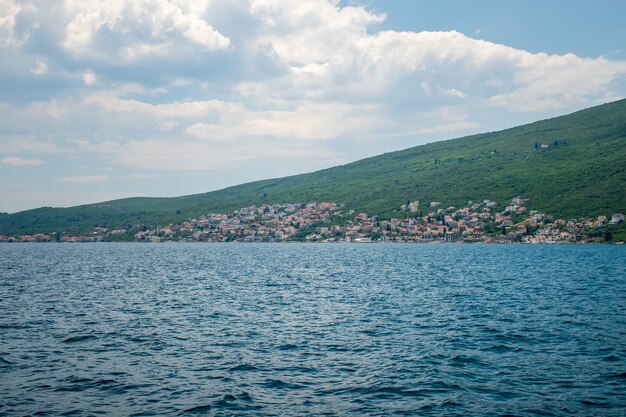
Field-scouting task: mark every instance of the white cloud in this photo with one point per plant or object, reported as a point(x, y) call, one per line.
point(552, 81)
point(449, 127)
point(40, 67)
point(12, 144)
point(194, 156)
point(353, 63)
point(23, 200)
point(167, 111)
point(142, 176)
point(319, 27)
point(8, 11)
point(136, 29)
point(203, 84)
point(89, 78)
point(165, 126)
point(47, 109)
point(326, 52)
point(88, 179)
point(306, 122)
point(171, 155)
point(17, 161)
point(453, 92)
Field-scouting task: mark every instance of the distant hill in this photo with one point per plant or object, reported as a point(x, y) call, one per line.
point(572, 165)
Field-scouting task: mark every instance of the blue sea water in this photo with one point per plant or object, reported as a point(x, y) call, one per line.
point(312, 329)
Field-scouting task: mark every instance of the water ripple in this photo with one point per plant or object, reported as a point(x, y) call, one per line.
point(328, 330)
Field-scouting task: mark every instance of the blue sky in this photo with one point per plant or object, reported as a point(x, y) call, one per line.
point(586, 28)
point(109, 99)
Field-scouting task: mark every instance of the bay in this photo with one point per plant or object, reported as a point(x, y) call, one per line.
point(312, 329)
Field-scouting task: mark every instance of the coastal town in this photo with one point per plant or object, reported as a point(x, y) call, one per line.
point(485, 221)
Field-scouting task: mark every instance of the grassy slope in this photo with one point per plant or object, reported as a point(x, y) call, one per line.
point(585, 176)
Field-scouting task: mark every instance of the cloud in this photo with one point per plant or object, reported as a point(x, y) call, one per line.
point(40, 67)
point(17, 161)
point(49, 109)
point(175, 110)
point(449, 127)
point(453, 92)
point(9, 9)
point(193, 156)
point(16, 143)
point(89, 78)
point(166, 155)
point(307, 122)
point(141, 176)
point(22, 200)
point(315, 50)
point(550, 81)
point(131, 30)
point(363, 66)
point(89, 179)
point(207, 85)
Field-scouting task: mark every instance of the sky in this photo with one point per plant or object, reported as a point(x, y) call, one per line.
point(102, 100)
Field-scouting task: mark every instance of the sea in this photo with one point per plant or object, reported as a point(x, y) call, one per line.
point(312, 329)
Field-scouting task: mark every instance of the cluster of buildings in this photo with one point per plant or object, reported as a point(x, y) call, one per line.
point(484, 221)
point(267, 223)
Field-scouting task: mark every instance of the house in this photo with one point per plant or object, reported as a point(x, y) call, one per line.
point(617, 218)
point(519, 201)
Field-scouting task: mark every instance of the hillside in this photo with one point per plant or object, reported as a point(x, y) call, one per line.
point(580, 172)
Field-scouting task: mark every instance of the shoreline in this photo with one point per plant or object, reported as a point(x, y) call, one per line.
point(313, 243)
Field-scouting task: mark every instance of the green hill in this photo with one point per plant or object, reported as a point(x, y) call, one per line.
point(579, 170)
